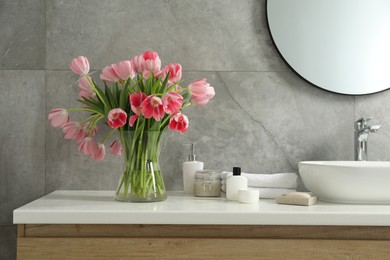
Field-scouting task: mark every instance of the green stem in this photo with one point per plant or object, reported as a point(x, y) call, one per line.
point(141, 178)
point(108, 135)
point(165, 120)
point(89, 118)
point(134, 82)
point(186, 105)
point(94, 89)
point(82, 109)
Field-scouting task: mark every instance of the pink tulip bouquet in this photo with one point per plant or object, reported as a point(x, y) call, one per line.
point(139, 101)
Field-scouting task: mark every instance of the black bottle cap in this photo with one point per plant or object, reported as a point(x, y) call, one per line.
point(236, 171)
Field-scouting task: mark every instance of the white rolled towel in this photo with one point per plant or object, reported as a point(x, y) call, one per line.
point(268, 193)
point(277, 180)
point(272, 193)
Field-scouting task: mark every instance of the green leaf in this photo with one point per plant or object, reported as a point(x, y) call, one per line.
point(100, 103)
point(92, 102)
point(103, 98)
point(140, 127)
point(124, 98)
point(156, 85)
point(115, 91)
point(106, 110)
point(156, 125)
point(141, 85)
point(127, 83)
point(173, 86)
point(186, 96)
point(164, 84)
point(149, 84)
point(92, 105)
point(110, 97)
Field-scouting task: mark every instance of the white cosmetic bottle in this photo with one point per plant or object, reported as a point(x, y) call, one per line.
point(235, 183)
point(189, 170)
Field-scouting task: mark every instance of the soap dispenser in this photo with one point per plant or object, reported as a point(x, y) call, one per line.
point(235, 183)
point(189, 170)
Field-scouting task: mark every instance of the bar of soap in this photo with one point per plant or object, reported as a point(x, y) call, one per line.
point(297, 198)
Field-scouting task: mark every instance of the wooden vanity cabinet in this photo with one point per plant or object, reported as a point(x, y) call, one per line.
point(108, 241)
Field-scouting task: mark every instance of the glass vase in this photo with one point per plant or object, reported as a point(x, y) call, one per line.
point(141, 179)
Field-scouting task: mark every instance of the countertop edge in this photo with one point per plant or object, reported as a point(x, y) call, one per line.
point(95, 207)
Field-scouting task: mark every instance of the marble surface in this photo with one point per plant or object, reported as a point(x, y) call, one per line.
point(22, 139)
point(22, 34)
point(200, 34)
point(98, 207)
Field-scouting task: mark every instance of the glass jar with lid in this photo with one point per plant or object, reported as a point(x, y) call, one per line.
point(207, 183)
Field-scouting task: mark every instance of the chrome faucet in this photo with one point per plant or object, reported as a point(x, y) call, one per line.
point(362, 129)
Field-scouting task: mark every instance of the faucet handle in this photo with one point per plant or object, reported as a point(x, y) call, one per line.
point(362, 122)
point(364, 119)
point(374, 128)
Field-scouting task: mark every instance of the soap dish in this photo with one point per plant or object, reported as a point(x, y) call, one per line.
point(297, 198)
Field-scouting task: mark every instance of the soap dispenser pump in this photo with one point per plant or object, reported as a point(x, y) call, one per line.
point(189, 169)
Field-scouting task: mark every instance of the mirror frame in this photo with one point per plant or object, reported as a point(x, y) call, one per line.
point(298, 74)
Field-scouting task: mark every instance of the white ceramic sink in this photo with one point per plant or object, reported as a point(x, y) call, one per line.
point(348, 181)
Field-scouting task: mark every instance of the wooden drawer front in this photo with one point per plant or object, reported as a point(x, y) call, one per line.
point(199, 248)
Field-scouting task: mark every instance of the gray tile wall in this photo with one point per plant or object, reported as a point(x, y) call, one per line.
point(264, 117)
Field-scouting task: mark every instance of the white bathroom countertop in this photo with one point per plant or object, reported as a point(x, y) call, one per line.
point(99, 207)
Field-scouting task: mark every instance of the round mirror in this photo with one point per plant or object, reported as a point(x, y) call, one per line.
point(339, 45)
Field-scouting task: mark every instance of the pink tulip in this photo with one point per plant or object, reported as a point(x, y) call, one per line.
point(80, 65)
point(136, 101)
point(72, 130)
point(124, 70)
point(178, 122)
point(88, 129)
point(172, 102)
point(109, 74)
point(156, 74)
point(88, 146)
point(174, 72)
point(85, 84)
point(116, 148)
point(152, 106)
point(117, 118)
point(81, 136)
point(85, 132)
point(86, 89)
point(136, 63)
point(149, 62)
point(201, 92)
point(58, 117)
point(132, 120)
point(100, 152)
